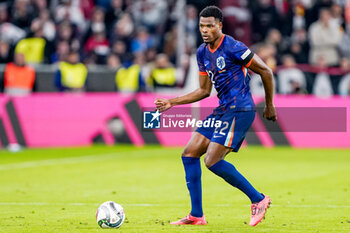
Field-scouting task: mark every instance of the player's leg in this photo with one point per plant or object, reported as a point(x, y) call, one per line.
point(195, 148)
point(230, 137)
point(214, 160)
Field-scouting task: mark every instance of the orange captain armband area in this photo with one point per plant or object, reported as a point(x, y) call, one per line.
point(202, 73)
point(249, 63)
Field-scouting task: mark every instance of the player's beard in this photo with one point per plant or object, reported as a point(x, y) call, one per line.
point(207, 42)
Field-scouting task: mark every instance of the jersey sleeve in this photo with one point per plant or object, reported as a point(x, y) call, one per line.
point(200, 62)
point(242, 54)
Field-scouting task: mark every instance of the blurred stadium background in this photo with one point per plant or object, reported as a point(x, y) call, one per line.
point(149, 45)
point(75, 73)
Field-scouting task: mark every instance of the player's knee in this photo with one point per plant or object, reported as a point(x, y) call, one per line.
point(209, 161)
point(187, 153)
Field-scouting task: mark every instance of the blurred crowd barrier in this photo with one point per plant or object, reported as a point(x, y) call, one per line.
point(81, 119)
point(299, 80)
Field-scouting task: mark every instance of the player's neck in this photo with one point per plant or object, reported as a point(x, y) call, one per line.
point(214, 45)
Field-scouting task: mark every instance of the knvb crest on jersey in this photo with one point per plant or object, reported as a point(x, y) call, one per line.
point(220, 62)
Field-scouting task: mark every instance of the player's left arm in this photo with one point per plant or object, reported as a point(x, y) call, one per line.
point(259, 67)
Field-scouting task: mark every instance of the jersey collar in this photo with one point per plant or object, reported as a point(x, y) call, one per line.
point(221, 40)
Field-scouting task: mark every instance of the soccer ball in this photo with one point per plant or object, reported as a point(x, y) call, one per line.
point(110, 215)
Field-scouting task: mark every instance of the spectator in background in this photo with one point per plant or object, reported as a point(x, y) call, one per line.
point(183, 70)
point(300, 47)
point(337, 14)
point(19, 78)
point(322, 86)
point(256, 85)
point(150, 14)
point(347, 12)
point(98, 18)
point(113, 62)
point(3, 13)
point(5, 52)
point(8, 31)
point(119, 48)
point(98, 43)
point(68, 11)
point(61, 52)
point(71, 75)
point(238, 19)
point(129, 78)
point(128, 4)
point(11, 33)
point(39, 6)
point(35, 49)
point(150, 57)
point(44, 19)
point(65, 32)
point(325, 36)
point(191, 27)
point(22, 15)
point(344, 45)
point(163, 74)
point(314, 11)
point(344, 84)
point(142, 41)
point(295, 18)
point(170, 42)
point(345, 65)
point(123, 28)
point(290, 79)
point(274, 38)
point(103, 3)
point(114, 13)
point(87, 7)
point(267, 52)
point(265, 17)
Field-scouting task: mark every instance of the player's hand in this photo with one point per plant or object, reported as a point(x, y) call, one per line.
point(162, 104)
point(270, 113)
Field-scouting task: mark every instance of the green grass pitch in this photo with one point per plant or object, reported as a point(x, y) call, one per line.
point(59, 190)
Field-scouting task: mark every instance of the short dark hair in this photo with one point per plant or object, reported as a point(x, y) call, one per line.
point(212, 11)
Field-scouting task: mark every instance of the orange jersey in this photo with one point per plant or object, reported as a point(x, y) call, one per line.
point(19, 77)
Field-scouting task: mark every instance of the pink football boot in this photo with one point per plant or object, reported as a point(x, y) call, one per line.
point(259, 210)
point(190, 220)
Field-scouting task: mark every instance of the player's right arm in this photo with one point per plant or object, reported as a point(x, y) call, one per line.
point(204, 90)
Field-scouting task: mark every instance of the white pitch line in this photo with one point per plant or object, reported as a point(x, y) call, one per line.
point(42, 203)
point(314, 206)
point(49, 162)
point(69, 204)
point(148, 204)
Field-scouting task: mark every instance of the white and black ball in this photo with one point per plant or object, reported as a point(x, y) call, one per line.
point(110, 215)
